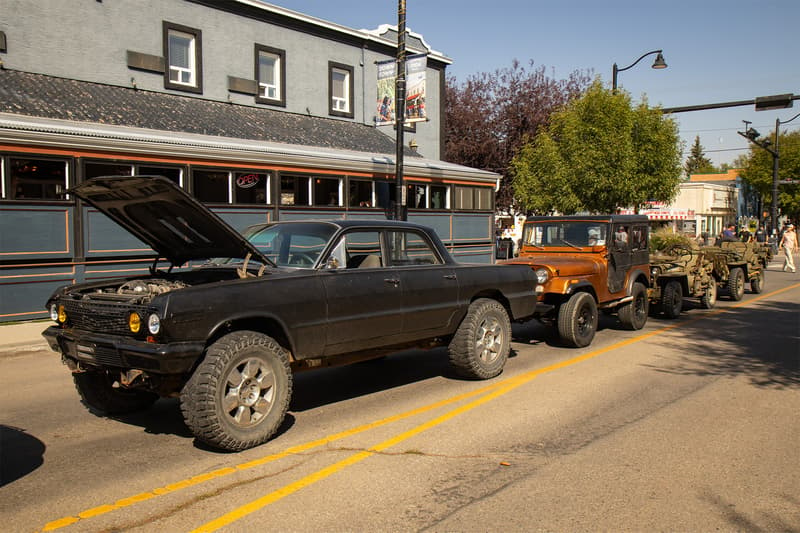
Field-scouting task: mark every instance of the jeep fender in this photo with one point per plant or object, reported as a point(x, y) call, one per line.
point(637, 274)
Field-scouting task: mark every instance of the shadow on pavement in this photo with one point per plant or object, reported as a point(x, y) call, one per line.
point(20, 454)
point(745, 341)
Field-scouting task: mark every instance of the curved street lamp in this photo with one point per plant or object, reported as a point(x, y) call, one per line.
point(659, 63)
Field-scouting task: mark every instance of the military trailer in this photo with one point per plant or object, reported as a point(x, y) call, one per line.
point(681, 270)
point(737, 263)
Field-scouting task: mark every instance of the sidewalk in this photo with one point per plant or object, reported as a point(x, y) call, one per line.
point(23, 337)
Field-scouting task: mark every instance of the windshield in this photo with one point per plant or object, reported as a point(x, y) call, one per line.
point(569, 234)
point(293, 245)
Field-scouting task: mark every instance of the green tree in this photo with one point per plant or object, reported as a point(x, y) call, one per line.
point(697, 162)
point(757, 171)
point(488, 117)
point(598, 154)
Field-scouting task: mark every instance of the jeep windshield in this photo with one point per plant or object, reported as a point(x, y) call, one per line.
point(567, 234)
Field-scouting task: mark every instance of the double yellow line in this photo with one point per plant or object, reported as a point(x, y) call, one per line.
point(483, 394)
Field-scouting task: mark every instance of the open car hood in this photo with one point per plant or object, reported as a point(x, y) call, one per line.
point(165, 217)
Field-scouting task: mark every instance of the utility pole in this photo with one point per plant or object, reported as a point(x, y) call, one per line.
point(400, 111)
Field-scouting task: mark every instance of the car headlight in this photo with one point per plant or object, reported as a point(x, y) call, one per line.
point(54, 312)
point(153, 324)
point(542, 275)
point(654, 272)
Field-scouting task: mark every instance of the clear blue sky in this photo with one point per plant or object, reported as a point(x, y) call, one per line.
point(716, 50)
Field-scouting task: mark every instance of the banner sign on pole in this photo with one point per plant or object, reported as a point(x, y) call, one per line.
point(386, 85)
point(416, 66)
point(415, 81)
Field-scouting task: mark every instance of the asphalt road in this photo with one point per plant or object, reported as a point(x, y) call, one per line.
point(687, 425)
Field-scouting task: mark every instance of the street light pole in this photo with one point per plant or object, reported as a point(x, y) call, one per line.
point(400, 108)
point(659, 63)
point(752, 135)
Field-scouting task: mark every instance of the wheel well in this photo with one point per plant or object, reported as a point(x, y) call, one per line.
point(495, 295)
point(265, 325)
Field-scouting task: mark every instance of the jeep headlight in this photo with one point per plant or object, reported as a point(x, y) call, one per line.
point(654, 272)
point(542, 275)
point(153, 324)
point(134, 322)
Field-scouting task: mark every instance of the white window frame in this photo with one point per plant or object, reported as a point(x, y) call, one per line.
point(265, 88)
point(341, 104)
point(191, 70)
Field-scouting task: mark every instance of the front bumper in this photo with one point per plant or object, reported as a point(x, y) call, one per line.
point(124, 352)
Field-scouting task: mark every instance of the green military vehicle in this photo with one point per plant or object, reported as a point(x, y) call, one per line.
point(736, 263)
point(681, 269)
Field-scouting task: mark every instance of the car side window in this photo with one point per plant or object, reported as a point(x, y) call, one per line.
point(408, 248)
point(359, 249)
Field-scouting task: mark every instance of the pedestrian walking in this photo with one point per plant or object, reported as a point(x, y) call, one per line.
point(789, 245)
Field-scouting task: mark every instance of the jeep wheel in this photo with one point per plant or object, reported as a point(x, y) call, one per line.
point(577, 320)
point(672, 299)
point(238, 395)
point(709, 298)
point(480, 347)
point(757, 283)
point(736, 284)
point(633, 314)
point(99, 395)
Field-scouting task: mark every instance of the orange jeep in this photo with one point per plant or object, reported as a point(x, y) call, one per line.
point(586, 263)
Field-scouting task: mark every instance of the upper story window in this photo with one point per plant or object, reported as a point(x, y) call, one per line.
point(340, 89)
point(182, 51)
point(271, 76)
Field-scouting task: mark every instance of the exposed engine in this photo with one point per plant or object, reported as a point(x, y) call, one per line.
point(149, 287)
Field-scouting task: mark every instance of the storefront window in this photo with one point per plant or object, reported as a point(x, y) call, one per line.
point(94, 170)
point(438, 196)
point(294, 190)
point(326, 191)
point(210, 186)
point(171, 173)
point(37, 179)
point(416, 196)
point(360, 193)
point(250, 188)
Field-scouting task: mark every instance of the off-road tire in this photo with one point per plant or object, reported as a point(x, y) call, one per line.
point(238, 395)
point(100, 396)
point(672, 299)
point(577, 320)
point(757, 283)
point(736, 284)
point(479, 349)
point(709, 298)
point(633, 315)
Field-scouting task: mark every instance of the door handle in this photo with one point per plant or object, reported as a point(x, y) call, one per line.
point(450, 276)
point(393, 281)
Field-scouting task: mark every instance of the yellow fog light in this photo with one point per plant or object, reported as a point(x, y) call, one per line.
point(134, 322)
point(62, 314)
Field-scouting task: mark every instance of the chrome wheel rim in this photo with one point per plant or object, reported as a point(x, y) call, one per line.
point(490, 340)
point(249, 392)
